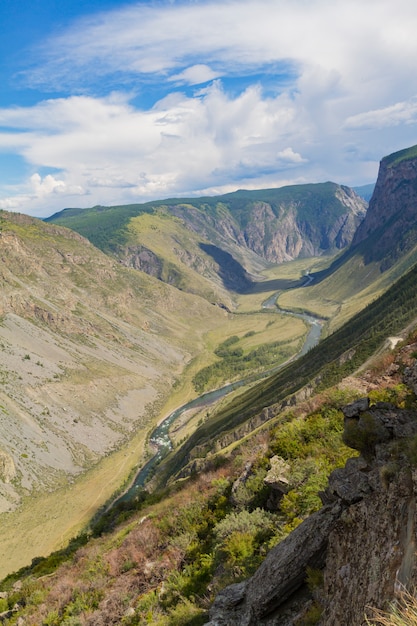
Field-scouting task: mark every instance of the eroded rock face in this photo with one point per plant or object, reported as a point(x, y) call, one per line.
point(410, 377)
point(364, 538)
point(391, 214)
point(371, 550)
point(280, 575)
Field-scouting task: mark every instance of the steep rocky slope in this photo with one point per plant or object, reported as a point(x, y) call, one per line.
point(383, 248)
point(390, 226)
point(360, 546)
point(220, 238)
point(88, 350)
point(172, 552)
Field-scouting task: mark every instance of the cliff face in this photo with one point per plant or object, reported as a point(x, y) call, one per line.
point(390, 225)
point(296, 230)
point(255, 227)
point(282, 224)
point(363, 539)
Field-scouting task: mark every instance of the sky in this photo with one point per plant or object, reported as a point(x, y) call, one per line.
point(105, 102)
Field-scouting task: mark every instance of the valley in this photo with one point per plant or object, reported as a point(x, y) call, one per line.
point(81, 390)
point(114, 317)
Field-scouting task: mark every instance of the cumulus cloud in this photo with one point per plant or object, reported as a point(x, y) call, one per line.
point(399, 113)
point(243, 93)
point(43, 187)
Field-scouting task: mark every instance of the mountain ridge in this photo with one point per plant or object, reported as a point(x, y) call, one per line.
point(256, 228)
point(214, 526)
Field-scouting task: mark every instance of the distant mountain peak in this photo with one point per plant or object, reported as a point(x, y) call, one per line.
point(390, 225)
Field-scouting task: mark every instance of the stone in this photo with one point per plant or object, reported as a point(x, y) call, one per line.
point(278, 476)
point(281, 574)
point(356, 408)
point(349, 483)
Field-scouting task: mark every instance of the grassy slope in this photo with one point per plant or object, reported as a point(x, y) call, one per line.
point(105, 344)
point(347, 290)
point(395, 158)
point(106, 225)
point(164, 563)
point(169, 240)
point(335, 357)
point(89, 352)
point(216, 219)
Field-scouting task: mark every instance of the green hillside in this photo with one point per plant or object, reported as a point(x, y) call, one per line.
point(335, 357)
point(216, 247)
point(106, 226)
point(162, 558)
point(395, 158)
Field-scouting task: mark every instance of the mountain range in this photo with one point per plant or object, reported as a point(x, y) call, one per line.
point(113, 316)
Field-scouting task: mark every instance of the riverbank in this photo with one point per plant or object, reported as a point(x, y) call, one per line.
point(160, 439)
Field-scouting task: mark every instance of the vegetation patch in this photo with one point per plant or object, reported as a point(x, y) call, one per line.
point(235, 364)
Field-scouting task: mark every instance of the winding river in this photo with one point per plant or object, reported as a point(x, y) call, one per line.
point(160, 440)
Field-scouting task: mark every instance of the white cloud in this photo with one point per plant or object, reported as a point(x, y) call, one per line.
point(43, 187)
point(161, 38)
point(195, 75)
point(320, 78)
point(399, 113)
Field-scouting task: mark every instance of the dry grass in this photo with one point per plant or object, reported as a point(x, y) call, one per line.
point(402, 613)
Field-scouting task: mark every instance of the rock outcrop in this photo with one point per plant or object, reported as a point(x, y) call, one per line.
point(363, 539)
point(279, 224)
point(281, 575)
point(390, 225)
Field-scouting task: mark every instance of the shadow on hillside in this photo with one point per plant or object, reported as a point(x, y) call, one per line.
point(277, 284)
point(233, 274)
point(235, 277)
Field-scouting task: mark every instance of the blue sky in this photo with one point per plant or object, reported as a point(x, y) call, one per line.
point(106, 102)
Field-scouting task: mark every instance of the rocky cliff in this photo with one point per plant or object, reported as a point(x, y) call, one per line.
point(169, 238)
point(390, 225)
point(360, 546)
point(280, 224)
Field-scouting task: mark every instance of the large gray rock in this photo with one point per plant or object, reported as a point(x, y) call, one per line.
point(356, 408)
point(350, 483)
point(280, 575)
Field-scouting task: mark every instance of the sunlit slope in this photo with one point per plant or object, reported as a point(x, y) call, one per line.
point(93, 354)
point(383, 248)
point(347, 290)
point(89, 351)
point(336, 356)
point(219, 238)
point(159, 244)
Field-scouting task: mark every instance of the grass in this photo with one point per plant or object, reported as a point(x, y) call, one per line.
point(331, 360)
point(116, 307)
point(401, 613)
point(167, 238)
point(347, 291)
point(48, 521)
point(402, 155)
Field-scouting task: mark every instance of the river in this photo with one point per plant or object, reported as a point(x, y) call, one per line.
point(160, 440)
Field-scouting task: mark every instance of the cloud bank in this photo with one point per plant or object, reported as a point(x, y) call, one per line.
point(160, 99)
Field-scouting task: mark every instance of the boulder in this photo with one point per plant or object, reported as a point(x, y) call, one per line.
point(281, 574)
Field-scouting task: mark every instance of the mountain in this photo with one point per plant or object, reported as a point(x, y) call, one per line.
point(200, 242)
point(335, 357)
point(383, 248)
point(89, 353)
point(390, 226)
point(163, 558)
point(365, 191)
point(89, 337)
point(357, 551)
